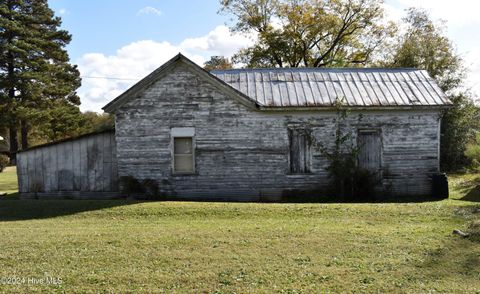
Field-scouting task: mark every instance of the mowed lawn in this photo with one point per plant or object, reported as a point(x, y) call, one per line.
point(8, 180)
point(128, 246)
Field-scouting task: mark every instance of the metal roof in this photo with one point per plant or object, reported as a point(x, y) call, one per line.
point(316, 87)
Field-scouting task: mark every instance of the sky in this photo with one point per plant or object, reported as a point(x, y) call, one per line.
point(115, 43)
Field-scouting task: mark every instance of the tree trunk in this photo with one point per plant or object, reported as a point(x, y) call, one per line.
point(13, 143)
point(24, 130)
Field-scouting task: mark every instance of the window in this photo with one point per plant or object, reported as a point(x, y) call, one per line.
point(183, 150)
point(299, 151)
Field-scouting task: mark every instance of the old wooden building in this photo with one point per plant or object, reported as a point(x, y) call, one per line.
point(240, 134)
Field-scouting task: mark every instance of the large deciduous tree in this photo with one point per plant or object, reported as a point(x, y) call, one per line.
point(424, 45)
point(217, 63)
point(311, 33)
point(35, 72)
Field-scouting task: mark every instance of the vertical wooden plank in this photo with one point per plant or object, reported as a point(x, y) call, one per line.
point(54, 167)
point(91, 160)
point(61, 166)
point(76, 165)
point(369, 156)
point(46, 168)
point(84, 165)
point(301, 152)
point(107, 162)
point(99, 163)
point(30, 170)
point(21, 176)
point(38, 163)
point(114, 162)
point(65, 173)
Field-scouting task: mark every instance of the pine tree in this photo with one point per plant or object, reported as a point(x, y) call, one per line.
point(35, 72)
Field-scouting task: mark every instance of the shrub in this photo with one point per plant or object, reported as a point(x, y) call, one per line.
point(473, 153)
point(145, 189)
point(151, 189)
point(347, 181)
point(363, 185)
point(4, 160)
point(130, 185)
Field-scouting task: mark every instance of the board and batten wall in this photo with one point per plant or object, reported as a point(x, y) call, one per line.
point(85, 167)
point(243, 154)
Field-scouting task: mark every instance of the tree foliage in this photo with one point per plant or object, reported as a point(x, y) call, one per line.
point(65, 121)
point(424, 45)
point(459, 125)
point(217, 62)
point(309, 33)
point(35, 73)
point(472, 152)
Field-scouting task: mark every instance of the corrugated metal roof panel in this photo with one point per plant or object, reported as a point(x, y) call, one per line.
point(310, 87)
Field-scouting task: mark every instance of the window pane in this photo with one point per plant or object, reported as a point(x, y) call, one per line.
point(182, 145)
point(183, 163)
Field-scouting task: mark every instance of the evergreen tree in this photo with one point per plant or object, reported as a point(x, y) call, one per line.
point(35, 73)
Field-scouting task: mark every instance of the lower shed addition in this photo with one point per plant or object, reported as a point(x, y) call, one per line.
point(83, 167)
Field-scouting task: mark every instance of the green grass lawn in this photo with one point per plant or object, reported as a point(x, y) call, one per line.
point(8, 180)
point(127, 246)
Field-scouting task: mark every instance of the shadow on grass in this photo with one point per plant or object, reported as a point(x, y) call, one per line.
point(370, 200)
point(17, 210)
point(471, 190)
point(457, 259)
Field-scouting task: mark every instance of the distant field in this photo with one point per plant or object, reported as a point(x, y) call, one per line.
point(8, 180)
point(128, 246)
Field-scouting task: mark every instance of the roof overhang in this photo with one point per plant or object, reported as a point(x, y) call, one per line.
point(363, 108)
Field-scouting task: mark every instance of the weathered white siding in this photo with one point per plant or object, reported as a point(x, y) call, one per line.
point(243, 153)
point(81, 168)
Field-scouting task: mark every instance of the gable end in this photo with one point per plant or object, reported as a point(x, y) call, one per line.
point(160, 72)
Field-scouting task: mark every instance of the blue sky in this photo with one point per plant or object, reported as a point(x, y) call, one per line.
point(128, 39)
point(107, 25)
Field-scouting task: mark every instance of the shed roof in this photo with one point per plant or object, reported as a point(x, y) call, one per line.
point(319, 87)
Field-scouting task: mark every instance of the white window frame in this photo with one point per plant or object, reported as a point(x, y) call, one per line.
point(182, 133)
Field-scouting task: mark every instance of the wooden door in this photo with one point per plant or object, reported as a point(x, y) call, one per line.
point(370, 153)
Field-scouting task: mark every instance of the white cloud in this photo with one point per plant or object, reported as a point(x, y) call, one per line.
point(220, 41)
point(136, 60)
point(63, 11)
point(472, 60)
point(462, 24)
point(458, 12)
point(149, 10)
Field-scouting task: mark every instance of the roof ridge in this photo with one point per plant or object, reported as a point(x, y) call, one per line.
point(319, 69)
